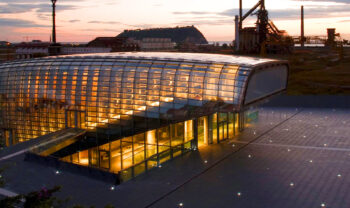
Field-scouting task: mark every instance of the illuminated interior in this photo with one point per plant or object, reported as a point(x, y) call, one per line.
point(141, 108)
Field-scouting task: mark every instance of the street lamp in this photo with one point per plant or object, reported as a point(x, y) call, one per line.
point(54, 21)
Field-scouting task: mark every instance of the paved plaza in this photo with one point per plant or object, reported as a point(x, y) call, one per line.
point(291, 157)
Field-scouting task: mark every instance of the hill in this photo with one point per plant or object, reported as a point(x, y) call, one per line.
point(189, 34)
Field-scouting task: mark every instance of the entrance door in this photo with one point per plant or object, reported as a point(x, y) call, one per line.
point(223, 126)
point(75, 119)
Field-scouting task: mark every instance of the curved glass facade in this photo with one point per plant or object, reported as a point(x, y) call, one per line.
point(45, 95)
point(129, 112)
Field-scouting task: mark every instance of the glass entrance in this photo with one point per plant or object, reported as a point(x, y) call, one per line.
point(223, 126)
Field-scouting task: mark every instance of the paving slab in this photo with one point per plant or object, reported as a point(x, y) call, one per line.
point(261, 163)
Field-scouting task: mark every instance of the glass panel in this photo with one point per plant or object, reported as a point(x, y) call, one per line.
point(115, 156)
point(139, 148)
point(151, 143)
point(202, 131)
point(177, 134)
point(127, 153)
point(214, 128)
point(163, 139)
point(231, 125)
point(188, 130)
point(104, 156)
point(84, 157)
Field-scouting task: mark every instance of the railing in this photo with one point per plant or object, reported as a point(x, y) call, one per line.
point(58, 141)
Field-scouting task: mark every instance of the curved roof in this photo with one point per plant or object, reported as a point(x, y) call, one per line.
point(168, 56)
point(171, 86)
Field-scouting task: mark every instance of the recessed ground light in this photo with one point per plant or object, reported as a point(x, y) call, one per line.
point(159, 166)
point(181, 204)
point(205, 161)
point(339, 175)
point(249, 156)
point(57, 172)
point(112, 188)
point(270, 141)
point(323, 205)
point(316, 125)
point(239, 194)
point(288, 150)
point(291, 184)
point(325, 145)
point(233, 145)
point(310, 161)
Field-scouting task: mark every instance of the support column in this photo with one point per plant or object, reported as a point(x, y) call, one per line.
point(194, 142)
point(237, 29)
point(302, 38)
point(240, 14)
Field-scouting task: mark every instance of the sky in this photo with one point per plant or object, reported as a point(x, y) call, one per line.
point(83, 20)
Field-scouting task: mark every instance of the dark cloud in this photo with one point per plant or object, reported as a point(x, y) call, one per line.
point(6, 22)
point(12, 8)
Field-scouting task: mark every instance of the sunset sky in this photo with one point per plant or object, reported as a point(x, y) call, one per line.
point(83, 20)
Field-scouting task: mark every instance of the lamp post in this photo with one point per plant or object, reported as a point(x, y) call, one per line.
point(54, 21)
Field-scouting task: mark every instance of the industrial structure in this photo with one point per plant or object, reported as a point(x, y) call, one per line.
point(302, 35)
point(54, 48)
point(265, 37)
point(128, 112)
point(331, 37)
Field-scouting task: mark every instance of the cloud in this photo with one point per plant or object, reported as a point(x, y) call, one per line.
point(12, 8)
point(194, 13)
point(104, 22)
point(101, 30)
point(319, 11)
point(35, 1)
point(74, 21)
point(6, 22)
point(336, 1)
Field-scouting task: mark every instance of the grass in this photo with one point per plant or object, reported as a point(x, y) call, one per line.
point(318, 71)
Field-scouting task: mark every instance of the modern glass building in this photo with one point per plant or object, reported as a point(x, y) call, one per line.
point(134, 110)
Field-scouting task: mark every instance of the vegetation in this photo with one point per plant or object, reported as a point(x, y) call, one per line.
point(318, 71)
point(36, 199)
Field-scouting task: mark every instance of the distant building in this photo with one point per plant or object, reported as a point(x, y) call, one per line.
point(36, 48)
point(179, 35)
point(155, 44)
point(7, 51)
point(116, 44)
point(84, 50)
